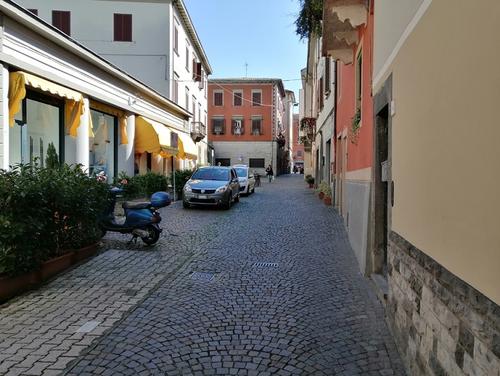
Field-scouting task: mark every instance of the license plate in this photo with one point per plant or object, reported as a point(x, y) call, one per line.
point(203, 197)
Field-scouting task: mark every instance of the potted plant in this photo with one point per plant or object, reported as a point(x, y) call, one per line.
point(309, 180)
point(327, 190)
point(323, 187)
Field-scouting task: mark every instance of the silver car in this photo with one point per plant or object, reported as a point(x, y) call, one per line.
point(212, 185)
point(246, 179)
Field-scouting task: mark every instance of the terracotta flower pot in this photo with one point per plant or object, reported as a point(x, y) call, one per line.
point(311, 185)
point(321, 195)
point(328, 201)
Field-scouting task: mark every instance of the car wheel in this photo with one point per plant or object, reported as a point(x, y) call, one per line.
point(237, 198)
point(185, 205)
point(227, 204)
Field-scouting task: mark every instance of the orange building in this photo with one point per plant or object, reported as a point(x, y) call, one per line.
point(246, 121)
point(351, 44)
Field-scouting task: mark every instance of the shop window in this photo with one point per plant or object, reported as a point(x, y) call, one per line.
point(39, 123)
point(256, 163)
point(103, 144)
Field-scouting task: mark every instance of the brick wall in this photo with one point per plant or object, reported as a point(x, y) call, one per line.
point(442, 325)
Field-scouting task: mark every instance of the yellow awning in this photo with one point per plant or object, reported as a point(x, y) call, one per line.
point(17, 91)
point(152, 137)
point(187, 147)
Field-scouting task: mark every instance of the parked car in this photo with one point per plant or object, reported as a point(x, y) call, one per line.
point(212, 185)
point(246, 179)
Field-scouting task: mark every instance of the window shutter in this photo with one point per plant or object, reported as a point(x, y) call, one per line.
point(117, 29)
point(327, 75)
point(127, 29)
point(62, 20)
point(223, 126)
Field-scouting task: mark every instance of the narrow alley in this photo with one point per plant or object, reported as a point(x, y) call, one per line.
point(268, 287)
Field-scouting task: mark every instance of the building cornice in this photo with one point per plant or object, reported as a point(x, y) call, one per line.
point(246, 80)
point(188, 23)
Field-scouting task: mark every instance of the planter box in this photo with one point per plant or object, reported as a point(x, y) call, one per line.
point(55, 266)
point(328, 201)
point(84, 253)
point(321, 195)
point(12, 286)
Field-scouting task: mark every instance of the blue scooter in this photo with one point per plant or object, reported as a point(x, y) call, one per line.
point(141, 218)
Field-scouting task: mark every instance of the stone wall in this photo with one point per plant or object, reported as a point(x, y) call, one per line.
point(442, 325)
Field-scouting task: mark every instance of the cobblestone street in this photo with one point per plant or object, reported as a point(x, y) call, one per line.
point(268, 287)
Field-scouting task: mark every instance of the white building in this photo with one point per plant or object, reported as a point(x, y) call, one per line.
point(154, 41)
point(54, 90)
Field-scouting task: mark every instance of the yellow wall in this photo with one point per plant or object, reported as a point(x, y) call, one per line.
point(392, 18)
point(446, 140)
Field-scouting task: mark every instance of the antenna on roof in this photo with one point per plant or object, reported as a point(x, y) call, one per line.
point(246, 69)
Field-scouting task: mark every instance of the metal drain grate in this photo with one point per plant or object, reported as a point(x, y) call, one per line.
point(202, 276)
point(266, 264)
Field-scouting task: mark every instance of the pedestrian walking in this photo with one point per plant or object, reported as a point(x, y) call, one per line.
point(269, 173)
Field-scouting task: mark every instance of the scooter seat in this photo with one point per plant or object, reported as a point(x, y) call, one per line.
point(136, 205)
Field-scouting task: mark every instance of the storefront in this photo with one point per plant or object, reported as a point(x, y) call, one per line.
point(41, 113)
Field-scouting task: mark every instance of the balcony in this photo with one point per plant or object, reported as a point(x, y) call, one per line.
point(341, 19)
point(198, 131)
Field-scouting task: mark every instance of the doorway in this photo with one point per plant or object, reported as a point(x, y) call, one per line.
point(382, 187)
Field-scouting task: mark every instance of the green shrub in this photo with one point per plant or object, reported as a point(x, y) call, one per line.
point(181, 177)
point(309, 179)
point(141, 185)
point(46, 211)
point(325, 188)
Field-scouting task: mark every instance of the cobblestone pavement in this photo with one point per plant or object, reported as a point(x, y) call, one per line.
point(269, 287)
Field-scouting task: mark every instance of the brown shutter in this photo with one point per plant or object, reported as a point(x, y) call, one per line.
point(62, 20)
point(194, 69)
point(117, 27)
point(127, 29)
point(242, 126)
point(327, 75)
point(224, 126)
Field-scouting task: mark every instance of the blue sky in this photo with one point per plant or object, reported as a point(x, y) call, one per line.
point(258, 32)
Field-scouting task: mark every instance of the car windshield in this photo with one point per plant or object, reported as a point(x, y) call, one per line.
point(211, 174)
point(241, 172)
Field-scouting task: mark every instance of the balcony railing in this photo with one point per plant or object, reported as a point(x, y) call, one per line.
point(198, 131)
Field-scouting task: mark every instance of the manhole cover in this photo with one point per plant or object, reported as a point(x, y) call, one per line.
point(266, 264)
point(202, 276)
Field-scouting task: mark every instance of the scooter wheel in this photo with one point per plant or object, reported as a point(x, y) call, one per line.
point(153, 235)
